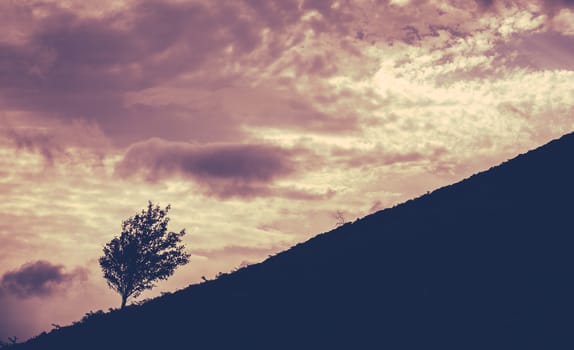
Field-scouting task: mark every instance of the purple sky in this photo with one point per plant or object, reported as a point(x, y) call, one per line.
point(257, 120)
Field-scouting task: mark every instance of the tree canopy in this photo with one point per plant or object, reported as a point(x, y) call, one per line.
point(144, 253)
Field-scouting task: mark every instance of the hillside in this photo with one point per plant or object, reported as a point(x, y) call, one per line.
point(486, 263)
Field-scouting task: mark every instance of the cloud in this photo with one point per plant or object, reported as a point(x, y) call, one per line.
point(67, 66)
point(246, 163)
point(553, 6)
point(38, 279)
point(71, 61)
point(223, 170)
point(56, 142)
point(271, 108)
point(35, 142)
point(121, 51)
point(541, 51)
point(378, 156)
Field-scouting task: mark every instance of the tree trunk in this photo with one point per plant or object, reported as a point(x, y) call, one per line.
point(124, 299)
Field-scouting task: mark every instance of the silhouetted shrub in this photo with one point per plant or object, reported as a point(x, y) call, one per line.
point(90, 315)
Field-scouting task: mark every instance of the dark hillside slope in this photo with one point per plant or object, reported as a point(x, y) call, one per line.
point(486, 263)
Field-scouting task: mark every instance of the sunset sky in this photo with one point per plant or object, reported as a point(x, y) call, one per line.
point(257, 120)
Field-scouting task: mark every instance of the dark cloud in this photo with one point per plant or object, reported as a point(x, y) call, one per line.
point(553, 6)
point(39, 142)
point(54, 142)
point(485, 4)
point(223, 170)
point(69, 66)
point(145, 45)
point(246, 163)
point(412, 34)
point(131, 50)
point(38, 279)
point(73, 67)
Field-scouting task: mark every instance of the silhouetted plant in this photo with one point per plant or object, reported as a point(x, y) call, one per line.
point(221, 275)
point(141, 302)
point(144, 253)
point(91, 315)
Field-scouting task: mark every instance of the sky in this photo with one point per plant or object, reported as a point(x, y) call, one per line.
point(257, 120)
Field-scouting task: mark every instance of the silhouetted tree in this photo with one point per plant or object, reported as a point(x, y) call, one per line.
point(144, 252)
